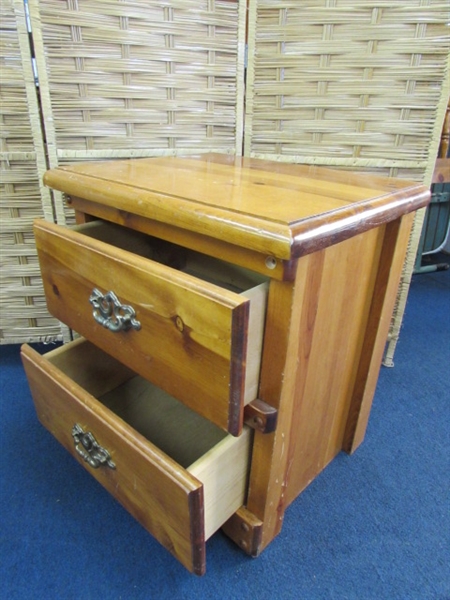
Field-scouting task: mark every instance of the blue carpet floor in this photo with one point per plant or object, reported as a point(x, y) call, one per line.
point(374, 526)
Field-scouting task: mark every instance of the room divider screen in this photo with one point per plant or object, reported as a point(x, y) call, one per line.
point(351, 84)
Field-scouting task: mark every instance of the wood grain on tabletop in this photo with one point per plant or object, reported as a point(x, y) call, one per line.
point(284, 210)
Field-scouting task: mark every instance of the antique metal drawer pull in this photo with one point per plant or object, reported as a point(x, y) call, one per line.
point(88, 448)
point(109, 312)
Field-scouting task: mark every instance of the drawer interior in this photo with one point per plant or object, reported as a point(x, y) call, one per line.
point(178, 431)
point(226, 275)
point(217, 459)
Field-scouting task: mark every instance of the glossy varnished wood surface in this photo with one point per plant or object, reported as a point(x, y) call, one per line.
point(86, 210)
point(178, 474)
point(323, 348)
point(144, 477)
point(388, 274)
point(193, 337)
point(282, 210)
point(339, 239)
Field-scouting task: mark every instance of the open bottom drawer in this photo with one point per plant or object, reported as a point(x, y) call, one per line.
point(178, 474)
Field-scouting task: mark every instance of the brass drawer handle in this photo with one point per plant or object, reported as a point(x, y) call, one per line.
point(110, 313)
point(88, 448)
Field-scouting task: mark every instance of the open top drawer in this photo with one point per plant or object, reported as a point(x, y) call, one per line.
point(191, 324)
point(178, 474)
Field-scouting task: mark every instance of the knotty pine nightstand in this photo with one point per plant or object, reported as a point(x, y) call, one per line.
point(233, 315)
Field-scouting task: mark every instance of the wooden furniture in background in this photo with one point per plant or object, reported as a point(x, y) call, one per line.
point(445, 138)
point(160, 278)
point(436, 227)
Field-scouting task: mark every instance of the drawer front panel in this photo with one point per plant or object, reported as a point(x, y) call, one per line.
point(162, 496)
point(192, 335)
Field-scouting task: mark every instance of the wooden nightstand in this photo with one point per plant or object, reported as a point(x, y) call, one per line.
point(234, 314)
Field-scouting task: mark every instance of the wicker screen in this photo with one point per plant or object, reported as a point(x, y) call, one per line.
point(351, 84)
point(23, 312)
point(348, 83)
point(139, 77)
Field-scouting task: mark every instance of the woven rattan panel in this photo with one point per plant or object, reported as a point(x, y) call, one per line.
point(350, 83)
point(139, 77)
point(23, 313)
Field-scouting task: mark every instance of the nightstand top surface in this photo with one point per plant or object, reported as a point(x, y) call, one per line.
point(281, 209)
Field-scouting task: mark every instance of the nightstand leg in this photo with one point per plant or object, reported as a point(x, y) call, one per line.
point(245, 530)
